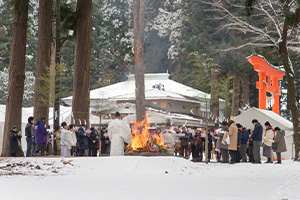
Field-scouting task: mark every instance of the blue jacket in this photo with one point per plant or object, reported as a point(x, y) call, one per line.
point(245, 136)
point(83, 139)
point(257, 132)
point(40, 133)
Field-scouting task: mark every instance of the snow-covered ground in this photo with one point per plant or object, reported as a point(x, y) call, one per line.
point(144, 178)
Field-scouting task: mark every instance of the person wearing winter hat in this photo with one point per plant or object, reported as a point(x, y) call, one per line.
point(279, 142)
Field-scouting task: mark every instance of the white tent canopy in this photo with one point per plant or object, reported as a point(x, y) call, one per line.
point(262, 116)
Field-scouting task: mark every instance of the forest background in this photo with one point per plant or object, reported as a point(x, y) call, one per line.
point(182, 38)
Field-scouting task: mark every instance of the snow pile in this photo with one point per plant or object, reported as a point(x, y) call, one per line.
point(152, 178)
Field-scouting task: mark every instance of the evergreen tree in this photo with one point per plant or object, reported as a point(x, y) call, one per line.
point(5, 33)
point(82, 63)
point(13, 113)
point(111, 42)
point(41, 89)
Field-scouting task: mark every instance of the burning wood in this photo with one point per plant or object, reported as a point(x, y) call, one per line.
point(143, 141)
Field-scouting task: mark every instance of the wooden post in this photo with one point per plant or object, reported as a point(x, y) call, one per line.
point(138, 47)
point(262, 90)
point(276, 107)
point(206, 134)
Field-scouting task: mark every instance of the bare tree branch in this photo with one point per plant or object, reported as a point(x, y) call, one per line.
point(278, 28)
point(241, 23)
point(246, 45)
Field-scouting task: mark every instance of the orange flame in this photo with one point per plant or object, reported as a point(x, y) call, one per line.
point(141, 139)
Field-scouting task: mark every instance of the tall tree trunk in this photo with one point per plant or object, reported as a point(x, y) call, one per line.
point(214, 98)
point(13, 114)
point(236, 96)
point(138, 31)
point(42, 71)
point(58, 43)
point(291, 86)
point(246, 91)
point(82, 65)
point(52, 75)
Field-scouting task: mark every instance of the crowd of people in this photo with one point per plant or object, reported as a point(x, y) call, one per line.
point(66, 140)
point(230, 143)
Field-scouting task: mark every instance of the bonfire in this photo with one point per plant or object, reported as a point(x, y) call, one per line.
point(143, 141)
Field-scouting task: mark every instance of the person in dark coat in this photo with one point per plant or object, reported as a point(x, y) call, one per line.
point(193, 139)
point(239, 142)
point(257, 140)
point(210, 144)
point(29, 133)
point(13, 141)
point(40, 136)
point(83, 140)
point(244, 142)
point(185, 138)
point(93, 142)
point(105, 142)
point(280, 143)
point(250, 147)
point(199, 146)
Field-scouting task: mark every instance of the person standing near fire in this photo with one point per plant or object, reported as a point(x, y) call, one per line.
point(169, 137)
point(185, 138)
point(119, 133)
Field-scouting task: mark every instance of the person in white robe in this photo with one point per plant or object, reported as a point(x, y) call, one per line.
point(118, 133)
point(67, 139)
point(169, 138)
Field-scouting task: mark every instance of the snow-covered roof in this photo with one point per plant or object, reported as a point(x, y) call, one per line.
point(262, 116)
point(157, 86)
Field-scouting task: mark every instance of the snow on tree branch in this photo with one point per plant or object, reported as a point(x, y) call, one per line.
point(168, 23)
point(264, 27)
point(28, 86)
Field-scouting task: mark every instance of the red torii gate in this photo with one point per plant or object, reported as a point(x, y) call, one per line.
point(269, 77)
